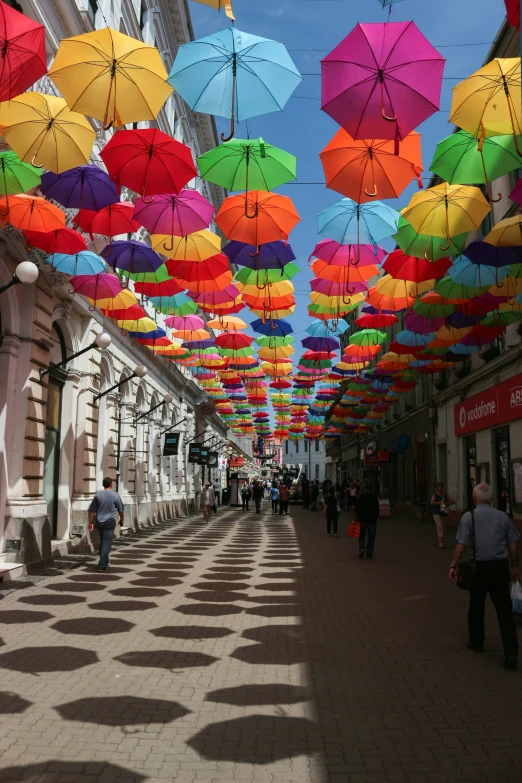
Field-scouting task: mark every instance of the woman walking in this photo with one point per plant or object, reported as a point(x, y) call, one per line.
point(330, 509)
point(438, 507)
point(274, 497)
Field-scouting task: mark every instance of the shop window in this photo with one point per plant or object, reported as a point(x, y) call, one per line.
point(297, 447)
point(317, 469)
point(317, 446)
point(470, 468)
point(53, 420)
point(516, 483)
point(286, 447)
point(306, 446)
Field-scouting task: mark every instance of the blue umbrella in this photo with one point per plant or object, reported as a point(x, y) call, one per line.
point(148, 335)
point(275, 328)
point(235, 75)
point(479, 252)
point(133, 257)
point(466, 272)
point(459, 320)
point(350, 223)
point(83, 263)
point(270, 255)
point(319, 329)
point(414, 340)
point(84, 187)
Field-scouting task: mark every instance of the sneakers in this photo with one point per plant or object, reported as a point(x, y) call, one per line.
point(369, 557)
point(102, 568)
point(361, 554)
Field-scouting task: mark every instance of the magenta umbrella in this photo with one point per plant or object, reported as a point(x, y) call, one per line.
point(175, 214)
point(332, 252)
point(330, 288)
point(382, 80)
point(185, 322)
point(422, 325)
point(96, 287)
point(516, 195)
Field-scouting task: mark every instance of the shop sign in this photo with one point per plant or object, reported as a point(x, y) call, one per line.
point(384, 456)
point(371, 462)
point(194, 452)
point(213, 459)
point(171, 444)
point(490, 408)
point(384, 507)
point(204, 455)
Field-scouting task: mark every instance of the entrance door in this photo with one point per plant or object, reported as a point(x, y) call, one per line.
point(502, 460)
point(470, 468)
point(51, 473)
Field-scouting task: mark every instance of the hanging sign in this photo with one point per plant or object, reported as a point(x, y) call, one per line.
point(213, 459)
point(171, 444)
point(194, 452)
point(204, 455)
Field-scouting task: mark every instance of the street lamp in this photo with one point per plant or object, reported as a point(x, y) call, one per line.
point(26, 272)
point(140, 371)
point(102, 340)
point(168, 398)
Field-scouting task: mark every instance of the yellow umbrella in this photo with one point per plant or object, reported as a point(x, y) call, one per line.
point(399, 289)
point(279, 352)
point(194, 247)
point(507, 233)
point(228, 323)
point(111, 76)
point(42, 127)
point(121, 301)
point(447, 336)
point(276, 370)
point(273, 314)
point(138, 325)
point(218, 5)
point(487, 103)
point(446, 211)
point(509, 286)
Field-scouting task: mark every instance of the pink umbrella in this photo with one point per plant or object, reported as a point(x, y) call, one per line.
point(341, 255)
point(175, 214)
point(185, 322)
point(382, 80)
point(228, 294)
point(336, 289)
point(97, 287)
point(516, 195)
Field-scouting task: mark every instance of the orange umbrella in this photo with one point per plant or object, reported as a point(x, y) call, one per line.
point(343, 274)
point(382, 301)
point(31, 213)
point(366, 169)
point(257, 217)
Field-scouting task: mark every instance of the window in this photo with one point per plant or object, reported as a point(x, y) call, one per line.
point(286, 447)
point(317, 471)
point(317, 447)
point(51, 472)
point(297, 447)
point(306, 446)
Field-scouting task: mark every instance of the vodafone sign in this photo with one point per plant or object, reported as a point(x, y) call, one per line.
point(490, 408)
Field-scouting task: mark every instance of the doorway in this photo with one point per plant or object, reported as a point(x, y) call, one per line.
point(53, 420)
point(502, 462)
point(470, 468)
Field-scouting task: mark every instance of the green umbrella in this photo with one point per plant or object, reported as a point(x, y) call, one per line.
point(501, 318)
point(235, 351)
point(424, 246)
point(460, 159)
point(366, 337)
point(15, 176)
point(247, 164)
point(263, 277)
point(274, 342)
point(429, 310)
point(160, 275)
point(448, 289)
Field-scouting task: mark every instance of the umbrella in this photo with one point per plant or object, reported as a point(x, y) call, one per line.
point(317, 329)
point(368, 337)
point(186, 272)
point(42, 127)
point(507, 233)
point(516, 194)
point(447, 210)
point(272, 328)
point(513, 12)
point(262, 277)
point(343, 288)
point(270, 255)
point(234, 74)
point(60, 240)
point(161, 288)
point(148, 161)
point(421, 325)
point(467, 273)
point(31, 213)
point(178, 304)
point(487, 103)
point(174, 214)
point(193, 247)
point(501, 318)
point(111, 77)
point(423, 245)
point(233, 340)
point(22, 47)
point(83, 263)
point(343, 274)
point(257, 217)
point(247, 164)
point(15, 176)
point(417, 270)
point(218, 5)
point(382, 80)
point(481, 252)
point(100, 288)
point(367, 168)
point(350, 223)
point(84, 187)
point(463, 159)
point(133, 312)
point(341, 255)
point(391, 301)
point(185, 322)
point(376, 321)
point(229, 322)
point(110, 221)
point(133, 257)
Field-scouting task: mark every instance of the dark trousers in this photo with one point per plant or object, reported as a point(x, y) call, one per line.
point(368, 531)
point(258, 505)
point(106, 535)
point(331, 522)
point(306, 500)
point(274, 506)
point(283, 506)
point(245, 502)
point(492, 577)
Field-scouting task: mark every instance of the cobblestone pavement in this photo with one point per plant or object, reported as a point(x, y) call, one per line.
point(255, 649)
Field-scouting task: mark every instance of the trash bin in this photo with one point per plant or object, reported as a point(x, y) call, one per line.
point(225, 496)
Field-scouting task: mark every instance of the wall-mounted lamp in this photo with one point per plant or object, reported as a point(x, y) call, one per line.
point(140, 371)
point(26, 272)
point(102, 340)
point(187, 418)
point(168, 398)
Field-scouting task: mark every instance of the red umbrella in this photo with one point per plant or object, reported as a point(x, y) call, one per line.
point(165, 288)
point(110, 221)
point(376, 320)
point(133, 313)
point(403, 267)
point(194, 271)
point(22, 47)
point(61, 240)
point(513, 12)
point(148, 161)
point(234, 340)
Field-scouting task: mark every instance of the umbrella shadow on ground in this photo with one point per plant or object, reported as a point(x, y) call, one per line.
point(93, 626)
point(153, 582)
point(212, 596)
point(74, 587)
point(122, 711)
point(165, 659)
point(19, 616)
point(224, 585)
point(139, 592)
point(275, 644)
point(209, 610)
point(260, 695)
point(101, 578)
point(51, 600)
point(56, 769)
point(224, 569)
point(195, 632)
point(12, 704)
point(123, 606)
point(36, 660)
point(275, 610)
point(224, 577)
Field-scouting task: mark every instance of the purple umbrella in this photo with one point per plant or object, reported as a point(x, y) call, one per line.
point(191, 344)
point(321, 343)
point(133, 257)
point(272, 255)
point(472, 339)
point(421, 325)
point(516, 195)
point(176, 214)
point(460, 320)
point(479, 252)
point(337, 289)
point(84, 187)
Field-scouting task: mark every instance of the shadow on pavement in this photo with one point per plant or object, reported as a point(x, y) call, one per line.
point(281, 645)
point(93, 626)
point(51, 600)
point(19, 616)
point(260, 695)
point(121, 711)
point(11, 703)
point(36, 660)
point(165, 659)
point(190, 632)
point(209, 610)
point(123, 606)
point(55, 769)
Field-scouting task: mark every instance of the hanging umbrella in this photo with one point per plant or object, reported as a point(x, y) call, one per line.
point(83, 263)
point(270, 255)
point(148, 162)
point(131, 256)
point(382, 80)
point(401, 289)
point(501, 318)
point(110, 221)
point(228, 322)
point(275, 327)
point(421, 325)
point(331, 288)
point(350, 223)
point(133, 312)
point(376, 320)
point(423, 245)
point(60, 240)
point(142, 326)
point(481, 252)
point(263, 277)
point(178, 304)
point(193, 247)
point(84, 187)
point(466, 273)
point(265, 314)
point(174, 214)
point(100, 288)
point(219, 301)
point(185, 322)
point(516, 194)
point(235, 75)
point(15, 176)
point(42, 128)
point(233, 340)
point(347, 275)
point(22, 52)
point(487, 103)
point(368, 168)
point(513, 12)
point(31, 213)
point(447, 210)
point(218, 5)
point(368, 337)
point(341, 255)
point(317, 329)
point(417, 270)
point(257, 217)
point(186, 272)
point(463, 159)
point(507, 233)
point(111, 77)
point(163, 288)
point(383, 301)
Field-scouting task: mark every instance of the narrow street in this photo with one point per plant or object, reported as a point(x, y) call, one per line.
point(255, 649)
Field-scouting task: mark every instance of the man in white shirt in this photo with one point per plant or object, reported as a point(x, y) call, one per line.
point(208, 501)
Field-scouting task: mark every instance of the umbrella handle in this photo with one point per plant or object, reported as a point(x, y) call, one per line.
point(36, 165)
point(171, 244)
point(385, 116)
point(144, 199)
point(232, 128)
point(490, 194)
point(374, 191)
point(253, 255)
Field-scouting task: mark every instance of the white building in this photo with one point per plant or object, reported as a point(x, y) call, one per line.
point(311, 455)
point(56, 440)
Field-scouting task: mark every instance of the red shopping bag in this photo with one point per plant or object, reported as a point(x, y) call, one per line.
point(354, 531)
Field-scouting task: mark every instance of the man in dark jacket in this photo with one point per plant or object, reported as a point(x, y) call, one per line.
point(259, 493)
point(367, 513)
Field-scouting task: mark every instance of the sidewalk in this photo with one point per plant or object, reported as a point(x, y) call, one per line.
point(255, 649)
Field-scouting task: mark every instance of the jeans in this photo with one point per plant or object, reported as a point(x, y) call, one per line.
point(369, 528)
point(331, 521)
point(245, 502)
point(274, 506)
point(283, 506)
point(106, 535)
point(258, 505)
point(492, 577)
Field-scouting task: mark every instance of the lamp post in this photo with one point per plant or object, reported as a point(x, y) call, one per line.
point(26, 272)
point(102, 340)
point(140, 371)
point(168, 398)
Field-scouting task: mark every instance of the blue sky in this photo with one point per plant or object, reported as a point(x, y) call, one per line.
point(312, 28)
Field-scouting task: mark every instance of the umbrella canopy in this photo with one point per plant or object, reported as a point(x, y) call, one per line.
point(176, 214)
point(368, 168)
point(466, 273)
point(423, 245)
point(84, 263)
point(131, 256)
point(218, 5)
point(111, 77)
point(99, 288)
point(269, 255)
point(341, 255)
point(481, 252)
point(194, 247)
point(163, 288)
point(15, 176)
point(109, 221)
point(234, 340)
point(235, 75)
point(60, 240)
point(417, 270)
point(185, 322)
point(257, 217)
point(262, 277)
point(84, 187)
point(22, 43)
point(178, 304)
point(368, 337)
point(228, 322)
point(516, 194)
point(507, 233)
point(342, 288)
point(148, 161)
point(272, 328)
point(44, 131)
point(247, 164)
point(382, 80)
point(376, 321)
point(31, 213)
point(350, 223)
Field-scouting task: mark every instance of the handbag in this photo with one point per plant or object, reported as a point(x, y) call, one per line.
point(444, 510)
point(466, 568)
point(354, 531)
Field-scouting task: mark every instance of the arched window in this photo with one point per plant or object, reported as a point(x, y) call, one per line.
point(55, 384)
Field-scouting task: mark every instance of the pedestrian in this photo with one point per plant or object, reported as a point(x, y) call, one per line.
point(367, 513)
point(102, 516)
point(217, 492)
point(209, 501)
point(274, 496)
point(245, 496)
point(494, 547)
point(259, 494)
point(284, 497)
point(353, 495)
point(314, 495)
point(330, 509)
point(439, 502)
point(305, 488)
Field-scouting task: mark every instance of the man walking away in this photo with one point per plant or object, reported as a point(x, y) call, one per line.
point(259, 494)
point(102, 516)
point(314, 495)
point(495, 540)
point(367, 513)
point(305, 486)
point(217, 492)
point(245, 496)
point(330, 509)
point(284, 497)
point(209, 501)
point(274, 495)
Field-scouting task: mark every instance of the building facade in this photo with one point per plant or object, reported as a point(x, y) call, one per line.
point(311, 455)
